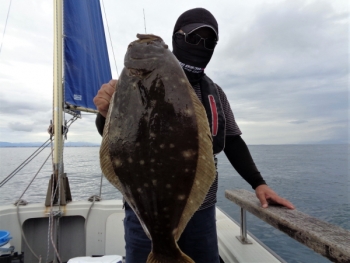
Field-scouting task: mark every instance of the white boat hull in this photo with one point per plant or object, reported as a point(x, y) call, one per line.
point(105, 232)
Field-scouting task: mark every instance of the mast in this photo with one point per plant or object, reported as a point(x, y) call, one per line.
point(58, 178)
point(58, 88)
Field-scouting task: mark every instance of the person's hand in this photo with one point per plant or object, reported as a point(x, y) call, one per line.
point(266, 195)
point(104, 95)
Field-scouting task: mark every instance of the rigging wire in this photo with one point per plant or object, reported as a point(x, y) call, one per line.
point(24, 163)
point(35, 175)
point(144, 20)
point(3, 35)
point(110, 39)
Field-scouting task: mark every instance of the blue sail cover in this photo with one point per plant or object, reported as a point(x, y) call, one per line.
point(86, 62)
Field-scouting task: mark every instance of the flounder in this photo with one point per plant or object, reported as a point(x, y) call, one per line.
point(157, 147)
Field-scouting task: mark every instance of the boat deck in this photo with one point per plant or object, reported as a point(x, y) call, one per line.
point(105, 232)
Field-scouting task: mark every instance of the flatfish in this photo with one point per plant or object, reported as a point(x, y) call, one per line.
point(157, 146)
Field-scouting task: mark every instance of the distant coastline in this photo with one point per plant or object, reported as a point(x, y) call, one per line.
point(37, 144)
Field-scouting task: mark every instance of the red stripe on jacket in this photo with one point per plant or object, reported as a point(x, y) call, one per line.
point(214, 115)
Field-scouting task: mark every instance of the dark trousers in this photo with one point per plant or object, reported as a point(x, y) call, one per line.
point(198, 241)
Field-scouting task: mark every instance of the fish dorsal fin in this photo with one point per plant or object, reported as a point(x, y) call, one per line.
point(105, 160)
point(148, 37)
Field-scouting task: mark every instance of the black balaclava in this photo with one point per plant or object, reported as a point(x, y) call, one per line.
point(193, 58)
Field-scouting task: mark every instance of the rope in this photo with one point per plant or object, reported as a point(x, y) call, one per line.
point(3, 34)
point(52, 241)
point(23, 202)
point(53, 194)
point(18, 203)
point(48, 240)
point(24, 163)
point(91, 199)
point(110, 38)
point(51, 218)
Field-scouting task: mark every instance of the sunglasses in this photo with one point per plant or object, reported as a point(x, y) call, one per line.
point(194, 39)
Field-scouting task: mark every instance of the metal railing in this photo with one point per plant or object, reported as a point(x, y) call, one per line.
point(330, 241)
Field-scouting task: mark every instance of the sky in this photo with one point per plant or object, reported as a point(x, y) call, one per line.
point(283, 64)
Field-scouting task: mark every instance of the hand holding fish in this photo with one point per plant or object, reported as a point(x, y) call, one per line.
point(266, 195)
point(104, 95)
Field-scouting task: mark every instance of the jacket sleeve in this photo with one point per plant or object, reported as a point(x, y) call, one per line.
point(100, 123)
point(239, 156)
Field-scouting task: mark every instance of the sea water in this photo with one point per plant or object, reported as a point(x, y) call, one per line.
point(315, 178)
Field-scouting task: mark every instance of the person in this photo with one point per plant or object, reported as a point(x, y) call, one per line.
point(195, 36)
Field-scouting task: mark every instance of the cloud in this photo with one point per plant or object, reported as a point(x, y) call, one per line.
point(290, 62)
point(17, 126)
point(297, 122)
point(279, 62)
point(287, 40)
point(11, 107)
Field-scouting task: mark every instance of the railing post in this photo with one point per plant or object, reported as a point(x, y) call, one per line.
point(243, 237)
point(326, 239)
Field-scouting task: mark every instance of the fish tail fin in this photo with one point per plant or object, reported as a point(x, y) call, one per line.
point(154, 258)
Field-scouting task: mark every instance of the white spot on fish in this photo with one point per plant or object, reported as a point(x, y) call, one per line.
point(118, 162)
point(129, 160)
point(203, 157)
point(139, 190)
point(181, 197)
point(142, 162)
point(188, 153)
point(188, 112)
point(197, 182)
point(183, 80)
point(153, 135)
point(162, 146)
